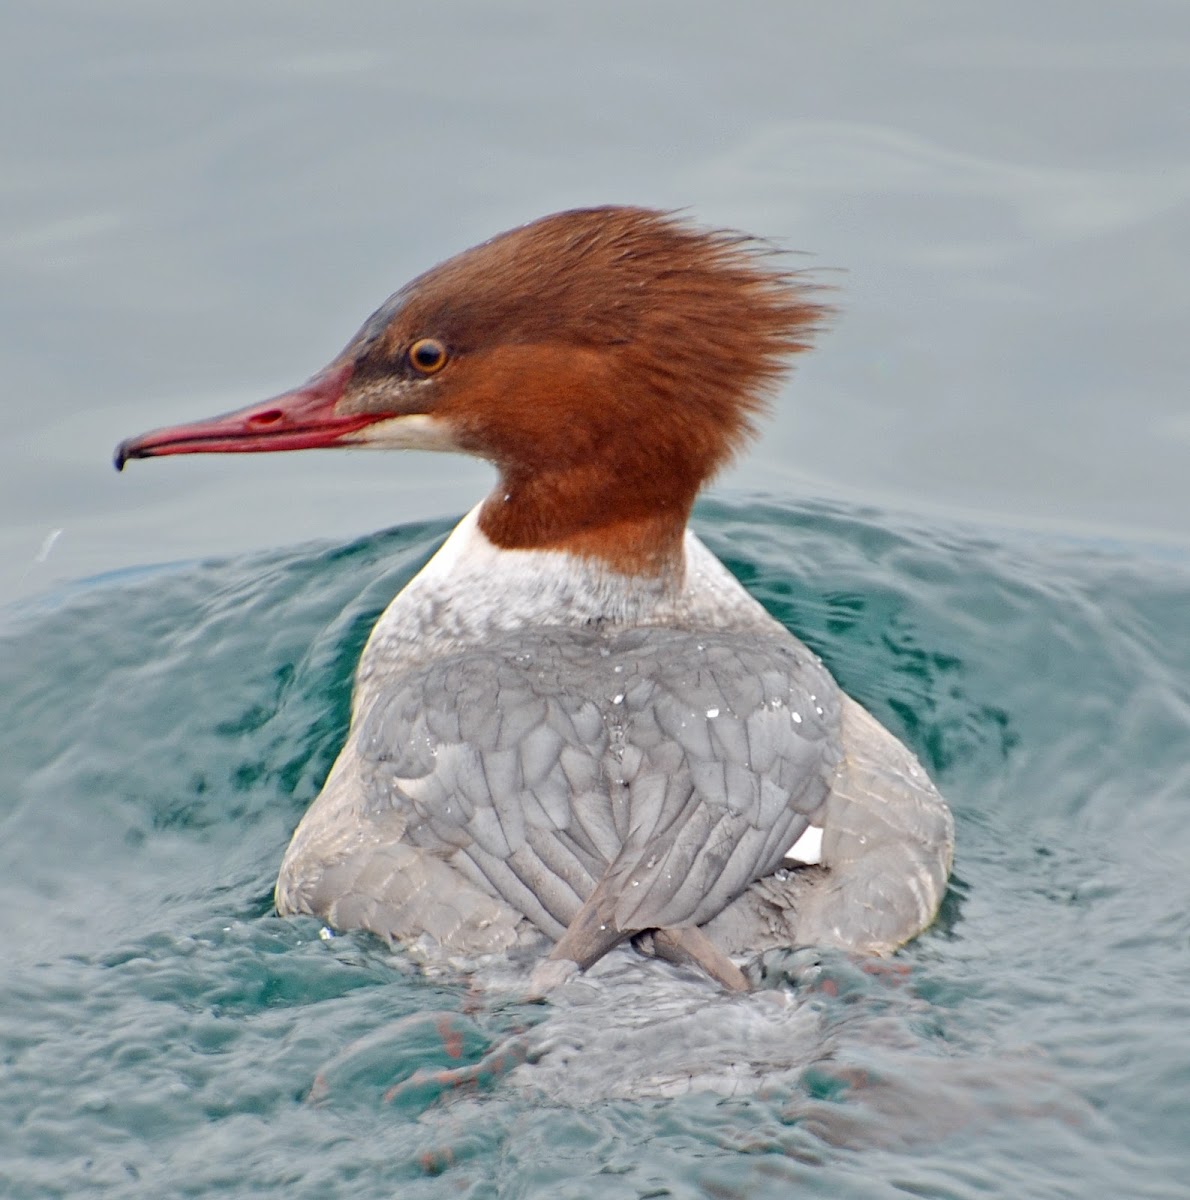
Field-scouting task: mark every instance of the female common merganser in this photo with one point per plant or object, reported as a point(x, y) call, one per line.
point(574, 719)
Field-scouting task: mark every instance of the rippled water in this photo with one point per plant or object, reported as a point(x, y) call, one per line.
point(165, 1034)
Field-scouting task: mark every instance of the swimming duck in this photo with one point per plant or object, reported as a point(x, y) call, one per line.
point(574, 722)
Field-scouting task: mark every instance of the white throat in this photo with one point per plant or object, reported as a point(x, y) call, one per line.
point(472, 588)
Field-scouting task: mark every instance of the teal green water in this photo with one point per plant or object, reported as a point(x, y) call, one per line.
point(163, 1033)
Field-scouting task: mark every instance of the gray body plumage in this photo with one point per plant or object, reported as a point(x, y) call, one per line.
point(609, 773)
point(674, 767)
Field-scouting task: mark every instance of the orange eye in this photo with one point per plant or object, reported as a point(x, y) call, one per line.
point(427, 355)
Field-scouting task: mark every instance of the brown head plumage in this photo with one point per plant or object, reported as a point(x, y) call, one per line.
point(607, 360)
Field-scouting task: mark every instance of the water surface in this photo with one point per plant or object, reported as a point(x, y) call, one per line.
point(165, 1033)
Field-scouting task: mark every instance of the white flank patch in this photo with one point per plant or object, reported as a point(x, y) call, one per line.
point(807, 850)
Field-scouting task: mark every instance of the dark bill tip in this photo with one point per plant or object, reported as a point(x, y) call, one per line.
point(128, 449)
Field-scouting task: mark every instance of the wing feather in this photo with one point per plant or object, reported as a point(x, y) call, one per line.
point(653, 774)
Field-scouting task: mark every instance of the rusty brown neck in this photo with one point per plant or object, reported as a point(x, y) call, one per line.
point(634, 529)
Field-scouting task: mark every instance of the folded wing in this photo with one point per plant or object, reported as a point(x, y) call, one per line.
point(603, 782)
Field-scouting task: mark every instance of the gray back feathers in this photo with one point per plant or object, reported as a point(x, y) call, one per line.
point(673, 768)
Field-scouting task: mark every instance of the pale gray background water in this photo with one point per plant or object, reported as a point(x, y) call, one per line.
point(200, 203)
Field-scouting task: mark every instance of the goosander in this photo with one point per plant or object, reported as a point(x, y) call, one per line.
point(575, 721)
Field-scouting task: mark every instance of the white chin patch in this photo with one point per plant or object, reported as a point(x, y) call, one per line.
point(418, 431)
point(807, 850)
